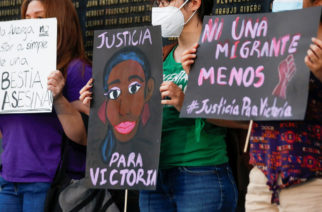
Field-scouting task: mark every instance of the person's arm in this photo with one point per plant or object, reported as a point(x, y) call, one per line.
point(68, 113)
point(313, 59)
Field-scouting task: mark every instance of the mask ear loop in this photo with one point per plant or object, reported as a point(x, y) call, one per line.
point(184, 3)
point(190, 17)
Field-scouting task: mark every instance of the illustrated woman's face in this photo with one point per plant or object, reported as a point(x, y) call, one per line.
point(126, 99)
point(35, 10)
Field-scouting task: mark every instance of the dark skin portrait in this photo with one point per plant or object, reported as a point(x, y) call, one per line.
point(128, 92)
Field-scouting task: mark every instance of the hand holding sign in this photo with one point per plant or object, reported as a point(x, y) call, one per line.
point(188, 58)
point(56, 83)
point(86, 93)
point(313, 58)
point(171, 95)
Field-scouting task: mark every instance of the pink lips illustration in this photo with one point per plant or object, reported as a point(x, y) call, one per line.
point(125, 127)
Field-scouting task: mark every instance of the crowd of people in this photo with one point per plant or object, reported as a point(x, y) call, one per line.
point(194, 173)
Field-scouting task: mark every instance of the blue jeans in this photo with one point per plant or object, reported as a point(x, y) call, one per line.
point(192, 189)
point(15, 197)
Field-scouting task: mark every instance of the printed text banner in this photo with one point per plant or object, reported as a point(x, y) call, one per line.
point(251, 67)
point(125, 120)
point(27, 57)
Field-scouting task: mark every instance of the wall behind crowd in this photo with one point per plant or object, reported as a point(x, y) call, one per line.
point(108, 14)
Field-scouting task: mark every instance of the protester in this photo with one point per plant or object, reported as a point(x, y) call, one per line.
point(32, 142)
point(287, 173)
point(193, 157)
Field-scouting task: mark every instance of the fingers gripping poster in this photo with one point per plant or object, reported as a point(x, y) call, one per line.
point(27, 57)
point(251, 67)
point(125, 119)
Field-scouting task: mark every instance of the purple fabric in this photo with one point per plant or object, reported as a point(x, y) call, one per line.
point(77, 77)
point(31, 147)
point(291, 149)
point(76, 160)
point(32, 142)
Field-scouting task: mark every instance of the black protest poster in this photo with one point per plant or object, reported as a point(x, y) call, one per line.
point(125, 120)
point(251, 67)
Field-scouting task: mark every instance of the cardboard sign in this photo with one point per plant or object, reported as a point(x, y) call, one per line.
point(126, 113)
point(27, 57)
point(252, 67)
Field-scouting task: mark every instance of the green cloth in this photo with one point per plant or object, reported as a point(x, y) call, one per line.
point(188, 142)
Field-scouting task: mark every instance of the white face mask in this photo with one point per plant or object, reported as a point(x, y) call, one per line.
point(282, 5)
point(171, 20)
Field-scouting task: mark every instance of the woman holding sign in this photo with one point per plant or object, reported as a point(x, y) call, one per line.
point(287, 174)
point(194, 174)
point(287, 154)
point(32, 142)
